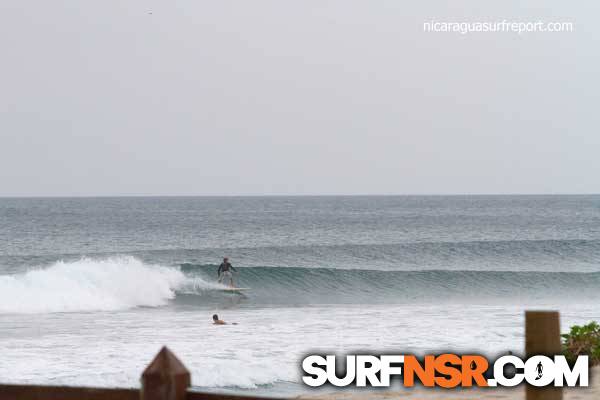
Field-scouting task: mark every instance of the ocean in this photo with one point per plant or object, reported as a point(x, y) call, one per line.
point(91, 288)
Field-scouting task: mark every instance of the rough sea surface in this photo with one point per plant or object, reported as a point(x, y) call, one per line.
point(91, 288)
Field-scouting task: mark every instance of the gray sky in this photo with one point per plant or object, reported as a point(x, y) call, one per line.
point(201, 97)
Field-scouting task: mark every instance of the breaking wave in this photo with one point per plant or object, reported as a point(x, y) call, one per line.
point(125, 282)
point(89, 285)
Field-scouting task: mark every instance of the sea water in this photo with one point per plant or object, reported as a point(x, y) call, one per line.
point(91, 288)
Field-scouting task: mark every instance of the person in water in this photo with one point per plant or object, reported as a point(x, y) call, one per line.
point(224, 271)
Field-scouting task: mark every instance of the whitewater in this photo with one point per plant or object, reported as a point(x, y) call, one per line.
point(90, 289)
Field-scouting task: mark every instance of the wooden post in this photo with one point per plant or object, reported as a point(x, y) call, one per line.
point(166, 378)
point(542, 337)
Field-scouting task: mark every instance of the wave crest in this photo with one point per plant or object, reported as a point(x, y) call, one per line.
point(89, 285)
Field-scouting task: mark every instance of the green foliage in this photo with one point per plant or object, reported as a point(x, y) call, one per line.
point(583, 341)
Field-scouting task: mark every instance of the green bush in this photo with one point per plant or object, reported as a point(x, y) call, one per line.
point(583, 341)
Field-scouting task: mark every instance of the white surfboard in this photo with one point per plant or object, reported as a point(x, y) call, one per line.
point(235, 289)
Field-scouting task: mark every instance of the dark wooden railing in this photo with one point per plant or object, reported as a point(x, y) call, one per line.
point(166, 378)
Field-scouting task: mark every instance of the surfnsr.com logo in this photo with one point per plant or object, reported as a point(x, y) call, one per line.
point(444, 370)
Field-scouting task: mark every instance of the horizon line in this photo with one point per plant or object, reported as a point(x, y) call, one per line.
point(285, 195)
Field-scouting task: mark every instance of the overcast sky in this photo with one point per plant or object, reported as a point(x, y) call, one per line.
point(198, 97)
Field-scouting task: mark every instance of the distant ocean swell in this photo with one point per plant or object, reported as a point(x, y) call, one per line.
point(118, 283)
point(500, 255)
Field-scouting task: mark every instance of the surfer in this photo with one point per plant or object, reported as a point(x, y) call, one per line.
point(217, 321)
point(540, 370)
point(224, 271)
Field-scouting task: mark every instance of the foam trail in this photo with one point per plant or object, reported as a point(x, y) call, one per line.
point(89, 285)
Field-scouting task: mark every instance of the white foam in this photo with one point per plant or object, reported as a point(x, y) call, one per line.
point(265, 348)
point(89, 285)
point(197, 285)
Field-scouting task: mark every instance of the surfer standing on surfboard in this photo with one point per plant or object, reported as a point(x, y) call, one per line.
point(224, 271)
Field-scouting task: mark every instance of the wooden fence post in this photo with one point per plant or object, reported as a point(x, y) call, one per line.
point(542, 337)
point(166, 378)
